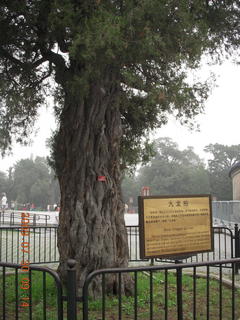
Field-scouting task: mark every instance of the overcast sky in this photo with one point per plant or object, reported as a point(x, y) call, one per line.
point(221, 121)
point(219, 124)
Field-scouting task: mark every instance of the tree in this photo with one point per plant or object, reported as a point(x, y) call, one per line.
point(54, 189)
point(117, 67)
point(130, 189)
point(31, 182)
point(173, 171)
point(223, 158)
point(3, 183)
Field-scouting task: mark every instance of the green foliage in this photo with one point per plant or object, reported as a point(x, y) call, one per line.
point(3, 183)
point(170, 171)
point(37, 289)
point(155, 291)
point(130, 189)
point(222, 159)
point(33, 182)
point(173, 171)
point(148, 45)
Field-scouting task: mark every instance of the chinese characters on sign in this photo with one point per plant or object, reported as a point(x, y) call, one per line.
point(175, 226)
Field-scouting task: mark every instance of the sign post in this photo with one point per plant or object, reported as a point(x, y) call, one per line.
point(179, 291)
point(175, 227)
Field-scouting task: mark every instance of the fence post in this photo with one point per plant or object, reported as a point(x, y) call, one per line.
point(237, 247)
point(34, 220)
point(179, 290)
point(71, 290)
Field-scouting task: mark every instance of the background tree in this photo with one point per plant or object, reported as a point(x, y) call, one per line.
point(173, 171)
point(223, 158)
point(118, 68)
point(31, 180)
point(54, 196)
point(130, 189)
point(3, 183)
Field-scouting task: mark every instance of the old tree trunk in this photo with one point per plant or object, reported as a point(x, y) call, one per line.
point(91, 222)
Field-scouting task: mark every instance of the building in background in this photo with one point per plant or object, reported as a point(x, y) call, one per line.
point(235, 176)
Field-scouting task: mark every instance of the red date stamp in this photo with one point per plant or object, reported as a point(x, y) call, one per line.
point(25, 249)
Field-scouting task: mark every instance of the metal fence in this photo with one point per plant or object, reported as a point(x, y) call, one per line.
point(174, 291)
point(13, 218)
point(43, 245)
point(35, 294)
point(162, 292)
point(226, 211)
point(224, 246)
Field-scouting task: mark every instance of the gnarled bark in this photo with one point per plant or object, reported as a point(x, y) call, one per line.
point(91, 222)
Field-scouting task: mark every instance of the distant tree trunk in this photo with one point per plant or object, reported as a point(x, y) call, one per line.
point(91, 222)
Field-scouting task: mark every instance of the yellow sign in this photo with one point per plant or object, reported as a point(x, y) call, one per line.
point(175, 226)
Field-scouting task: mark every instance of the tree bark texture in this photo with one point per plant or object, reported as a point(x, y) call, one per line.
point(91, 221)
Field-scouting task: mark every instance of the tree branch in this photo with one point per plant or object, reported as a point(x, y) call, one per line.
point(5, 54)
point(48, 74)
point(55, 58)
point(59, 62)
point(8, 56)
point(10, 78)
point(38, 62)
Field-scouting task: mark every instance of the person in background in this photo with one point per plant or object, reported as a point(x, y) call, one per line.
point(4, 201)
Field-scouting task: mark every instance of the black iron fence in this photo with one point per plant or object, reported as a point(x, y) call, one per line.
point(33, 294)
point(224, 245)
point(175, 291)
point(43, 245)
point(237, 245)
point(14, 218)
point(171, 291)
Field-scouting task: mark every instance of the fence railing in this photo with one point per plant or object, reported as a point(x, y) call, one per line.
point(14, 218)
point(43, 245)
point(171, 291)
point(35, 294)
point(224, 246)
point(162, 292)
point(42, 242)
point(226, 211)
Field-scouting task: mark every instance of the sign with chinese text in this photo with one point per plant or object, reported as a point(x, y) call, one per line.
point(175, 226)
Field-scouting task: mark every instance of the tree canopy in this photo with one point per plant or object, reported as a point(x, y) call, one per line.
point(173, 171)
point(223, 157)
point(170, 171)
point(151, 44)
point(30, 182)
point(3, 183)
